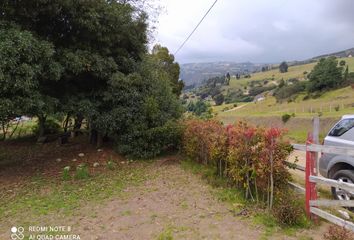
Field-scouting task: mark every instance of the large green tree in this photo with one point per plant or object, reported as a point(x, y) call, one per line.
point(92, 41)
point(27, 74)
point(325, 75)
point(167, 62)
point(104, 73)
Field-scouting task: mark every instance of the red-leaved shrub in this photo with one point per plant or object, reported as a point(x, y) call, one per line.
point(252, 157)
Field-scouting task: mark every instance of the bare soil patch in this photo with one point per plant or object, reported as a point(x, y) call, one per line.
point(171, 203)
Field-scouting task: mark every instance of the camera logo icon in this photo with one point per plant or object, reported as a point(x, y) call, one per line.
point(17, 233)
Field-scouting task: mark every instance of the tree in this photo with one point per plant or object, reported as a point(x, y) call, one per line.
point(227, 78)
point(219, 99)
point(346, 74)
point(94, 65)
point(342, 63)
point(264, 68)
point(27, 72)
point(138, 111)
point(283, 67)
point(325, 75)
point(89, 47)
point(172, 69)
point(238, 76)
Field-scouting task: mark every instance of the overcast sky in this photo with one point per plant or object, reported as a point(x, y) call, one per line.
point(256, 30)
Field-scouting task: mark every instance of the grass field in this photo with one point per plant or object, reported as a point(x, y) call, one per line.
point(293, 72)
point(331, 106)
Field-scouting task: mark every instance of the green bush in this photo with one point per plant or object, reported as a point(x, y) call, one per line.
point(150, 142)
point(285, 118)
point(258, 90)
point(287, 91)
point(82, 172)
point(219, 99)
point(50, 127)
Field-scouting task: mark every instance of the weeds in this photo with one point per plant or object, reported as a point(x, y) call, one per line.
point(111, 165)
point(165, 235)
point(82, 172)
point(66, 175)
point(65, 197)
point(335, 232)
point(289, 210)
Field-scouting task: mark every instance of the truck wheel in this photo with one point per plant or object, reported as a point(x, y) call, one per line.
point(343, 176)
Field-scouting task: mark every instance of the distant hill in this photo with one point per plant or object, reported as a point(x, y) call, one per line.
point(195, 73)
point(341, 54)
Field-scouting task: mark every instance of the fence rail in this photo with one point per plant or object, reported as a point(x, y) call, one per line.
point(325, 149)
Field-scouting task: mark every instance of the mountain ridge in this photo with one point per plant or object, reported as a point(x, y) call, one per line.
point(196, 73)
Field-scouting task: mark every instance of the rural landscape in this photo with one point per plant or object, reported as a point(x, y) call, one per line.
point(109, 131)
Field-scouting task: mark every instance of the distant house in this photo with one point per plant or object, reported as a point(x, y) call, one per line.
point(259, 97)
point(350, 55)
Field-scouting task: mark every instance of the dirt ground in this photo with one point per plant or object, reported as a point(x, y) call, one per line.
point(173, 202)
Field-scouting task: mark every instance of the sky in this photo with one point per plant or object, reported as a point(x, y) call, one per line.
point(260, 31)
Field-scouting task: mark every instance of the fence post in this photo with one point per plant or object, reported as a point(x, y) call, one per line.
point(316, 139)
point(311, 192)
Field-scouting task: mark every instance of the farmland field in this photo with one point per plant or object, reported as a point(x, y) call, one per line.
point(330, 107)
point(274, 74)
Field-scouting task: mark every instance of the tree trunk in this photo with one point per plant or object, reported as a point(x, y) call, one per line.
point(14, 130)
point(99, 140)
point(66, 122)
point(77, 124)
point(41, 125)
point(4, 130)
point(93, 136)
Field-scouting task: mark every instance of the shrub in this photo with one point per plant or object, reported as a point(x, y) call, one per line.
point(219, 99)
point(285, 118)
point(258, 90)
point(288, 210)
point(82, 172)
point(204, 141)
point(287, 91)
point(306, 97)
point(50, 127)
point(336, 108)
point(255, 160)
point(151, 142)
point(254, 156)
point(335, 232)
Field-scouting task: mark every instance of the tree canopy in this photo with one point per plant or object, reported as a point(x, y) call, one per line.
point(283, 67)
point(167, 62)
point(325, 75)
point(88, 60)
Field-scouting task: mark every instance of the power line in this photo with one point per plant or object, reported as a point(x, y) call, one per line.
point(195, 27)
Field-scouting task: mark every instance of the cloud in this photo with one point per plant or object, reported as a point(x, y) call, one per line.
point(258, 30)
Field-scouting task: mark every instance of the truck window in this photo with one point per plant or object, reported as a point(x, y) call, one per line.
point(342, 127)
